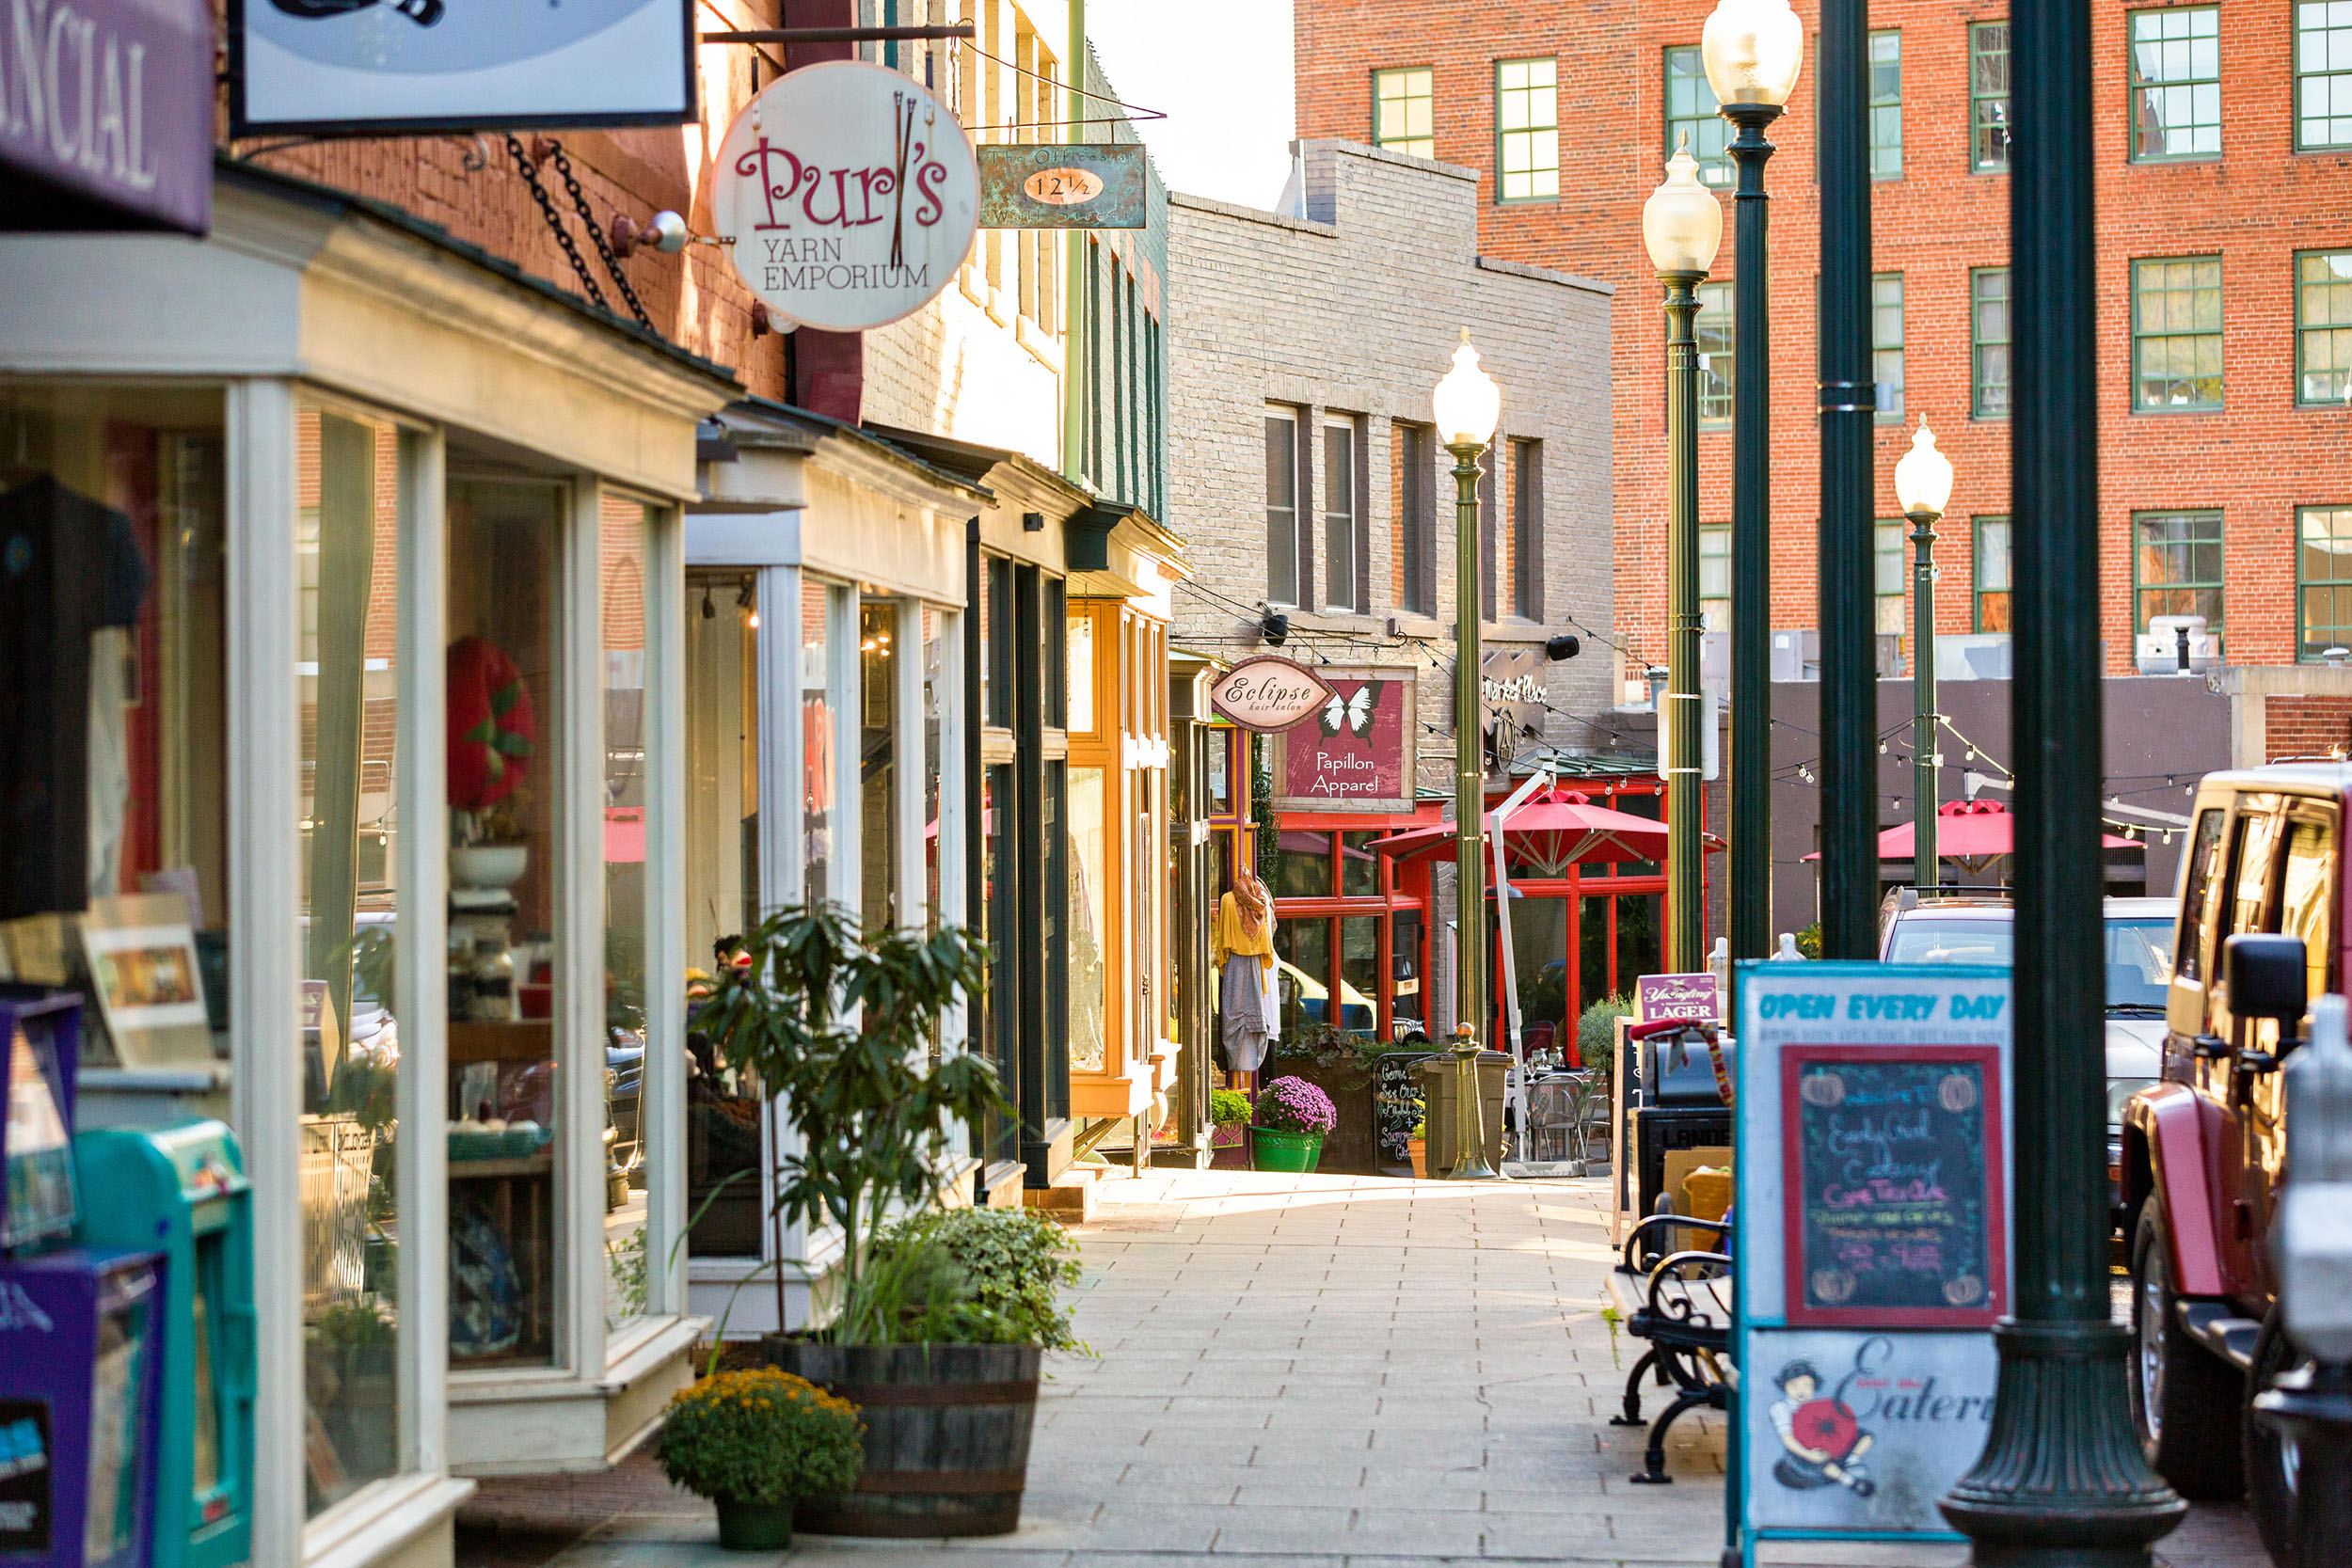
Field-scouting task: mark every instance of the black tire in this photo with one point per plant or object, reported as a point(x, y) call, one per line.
point(2270, 1460)
point(2187, 1404)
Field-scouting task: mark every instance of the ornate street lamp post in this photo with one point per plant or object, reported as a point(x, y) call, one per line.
point(1923, 484)
point(1467, 403)
point(1681, 225)
point(2061, 1482)
point(1752, 50)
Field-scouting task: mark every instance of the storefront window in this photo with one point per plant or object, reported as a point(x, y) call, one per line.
point(504, 969)
point(723, 901)
point(348, 547)
point(935, 697)
point(1407, 1003)
point(1302, 953)
point(112, 694)
point(1220, 744)
point(817, 760)
point(1539, 949)
point(1359, 868)
point(999, 1006)
point(1641, 942)
point(877, 763)
point(1081, 628)
point(1302, 866)
point(1593, 972)
point(1089, 961)
point(996, 643)
point(623, 536)
point(1359, 974)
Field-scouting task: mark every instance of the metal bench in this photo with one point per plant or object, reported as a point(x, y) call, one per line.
point(1680, 1302)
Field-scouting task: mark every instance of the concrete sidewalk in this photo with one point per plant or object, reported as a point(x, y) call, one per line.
point(1299, 1370)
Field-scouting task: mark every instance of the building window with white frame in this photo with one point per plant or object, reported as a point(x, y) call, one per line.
point(1527, 130)
point(1404, 110)
point(1342, 517)
point(1281, 505)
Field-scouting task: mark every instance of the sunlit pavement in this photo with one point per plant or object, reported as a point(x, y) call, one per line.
point(1310, 1371)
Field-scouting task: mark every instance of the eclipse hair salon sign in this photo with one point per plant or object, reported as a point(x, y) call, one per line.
point(1268, 693)
point(341, 66)
point(106, 114)
point(849, 196)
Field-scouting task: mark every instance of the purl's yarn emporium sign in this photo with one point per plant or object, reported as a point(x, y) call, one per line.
point(849, 196)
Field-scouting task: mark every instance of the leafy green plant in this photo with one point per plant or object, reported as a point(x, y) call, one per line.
point(354, 1326)
point(760, 1437)
point(1227, 1106)
point(916, 1292)
point(1015, 1264)
point(1596, 1032)
point(839, 1028)
point(1809, 940)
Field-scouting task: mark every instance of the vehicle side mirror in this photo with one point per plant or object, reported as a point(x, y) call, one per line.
point(2267, 978)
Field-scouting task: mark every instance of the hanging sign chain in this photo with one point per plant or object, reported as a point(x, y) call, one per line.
point(595, 234)
point(563, 235)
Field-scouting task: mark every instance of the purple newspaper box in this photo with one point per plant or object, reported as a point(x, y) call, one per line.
point(78, 1368)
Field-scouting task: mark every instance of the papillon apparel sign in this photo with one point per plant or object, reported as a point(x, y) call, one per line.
point(1873, 1247)
point(848, 195)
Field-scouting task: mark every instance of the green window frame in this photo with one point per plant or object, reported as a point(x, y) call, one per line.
point(2323, 327)
point(1886, 103)
point(2175, 57)
point(2176, 566)
point(2323, 74)
point(2176, 334)
point(1716, 361)
point(1404, 110)
point(1886, 343)
point(1527, 130)
point(1989, 326)
point(2323, 579)
point(1715, 575)
point(1691, 105)
point(1889, 574)
point(1988, 96)
point(1992, 572)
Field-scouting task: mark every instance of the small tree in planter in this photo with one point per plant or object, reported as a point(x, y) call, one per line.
point(841, 1030)
point(1291, 1117)
point(752, 1442)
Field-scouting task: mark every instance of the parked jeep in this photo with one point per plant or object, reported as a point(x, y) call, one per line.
point(2204, 1149)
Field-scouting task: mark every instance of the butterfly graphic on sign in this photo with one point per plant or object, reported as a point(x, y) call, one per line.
point(1350, 712)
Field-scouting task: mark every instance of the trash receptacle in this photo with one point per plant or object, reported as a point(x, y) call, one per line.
point(1438, 1074)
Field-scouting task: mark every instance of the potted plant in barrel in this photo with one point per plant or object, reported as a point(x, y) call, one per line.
point(755, 1442)
point(1418, 1146)
point(1287, 1132)
point(841, 1031)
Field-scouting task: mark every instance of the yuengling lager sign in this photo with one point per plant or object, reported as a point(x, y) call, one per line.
point(848, 195)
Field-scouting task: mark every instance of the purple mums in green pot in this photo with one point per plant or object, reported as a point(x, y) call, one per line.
point(1286, 1131)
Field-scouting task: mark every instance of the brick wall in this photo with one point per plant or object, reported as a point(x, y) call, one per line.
point(2256, 461)
point(1356, 311)
point(2306, 726)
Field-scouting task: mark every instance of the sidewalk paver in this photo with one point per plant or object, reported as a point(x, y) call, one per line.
point(1336, 1372)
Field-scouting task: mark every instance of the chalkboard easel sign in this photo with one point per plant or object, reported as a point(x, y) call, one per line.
point(1893, 1185)
point(1397, 1106)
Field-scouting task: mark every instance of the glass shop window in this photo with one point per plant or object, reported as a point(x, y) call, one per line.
point(504, 733)
point(625, 527)
point(347, 546)
point(1302, 865)
point(936, 698)
point(1302, 973)
point(112, 638)
point(877, 763)
point(723, 901)
point(818, 770)
point(1089, 824)
point(1080, 624)
point(1220, 746)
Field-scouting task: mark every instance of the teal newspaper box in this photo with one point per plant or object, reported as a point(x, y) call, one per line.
point(1874, 1243)
point(182, 1191)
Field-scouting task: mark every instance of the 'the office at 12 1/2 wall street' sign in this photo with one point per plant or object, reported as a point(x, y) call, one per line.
point(847, 194)
point(1355, 752)
point(1066, 186)
point(1268, 693)
point(360, 66)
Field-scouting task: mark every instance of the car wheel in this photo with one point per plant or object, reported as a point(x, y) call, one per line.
point(2273, 1464)
point(2187, 1404)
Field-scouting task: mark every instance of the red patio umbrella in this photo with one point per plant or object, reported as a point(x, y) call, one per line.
point(1550, 832)
point(1971, 831)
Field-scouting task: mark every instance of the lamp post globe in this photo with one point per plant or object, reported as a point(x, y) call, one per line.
point(1681, 226)
point(1752, 50)
point(1923, 485)
point(1468, 405)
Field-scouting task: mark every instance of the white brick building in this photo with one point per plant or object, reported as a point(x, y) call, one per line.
point(1343, 321)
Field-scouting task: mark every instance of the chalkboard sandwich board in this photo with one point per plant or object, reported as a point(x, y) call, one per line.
point(1893, 1185)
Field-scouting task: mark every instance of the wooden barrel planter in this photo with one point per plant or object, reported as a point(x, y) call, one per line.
point(946, 1435)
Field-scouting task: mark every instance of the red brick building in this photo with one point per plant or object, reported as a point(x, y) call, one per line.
point(2225, 195)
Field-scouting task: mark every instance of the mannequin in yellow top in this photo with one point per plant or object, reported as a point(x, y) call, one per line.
point(1243, 939)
